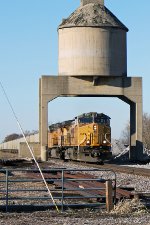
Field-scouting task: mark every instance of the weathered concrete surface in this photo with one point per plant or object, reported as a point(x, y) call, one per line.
point(84, 2)
point(21, 146)
point(92, 41)
point(24, 151)
point(128, 89)
point(92, 51)
point(15, 144)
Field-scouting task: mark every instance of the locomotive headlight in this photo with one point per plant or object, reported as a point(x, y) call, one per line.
point(94, 127)
point(88, 142)
point(104, 142)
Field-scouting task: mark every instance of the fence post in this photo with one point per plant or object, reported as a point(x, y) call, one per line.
point(6, 190)
point(109, 196)
point(62, 200)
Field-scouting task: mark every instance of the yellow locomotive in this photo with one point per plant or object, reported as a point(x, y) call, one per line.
point(85, 138)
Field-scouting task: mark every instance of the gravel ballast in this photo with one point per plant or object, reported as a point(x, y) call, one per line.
point(85, 216)
point(76, 218)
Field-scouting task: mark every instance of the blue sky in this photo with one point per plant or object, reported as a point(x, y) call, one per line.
point(29, 49)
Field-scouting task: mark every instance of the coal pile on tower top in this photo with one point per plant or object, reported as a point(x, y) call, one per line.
point(93, 14)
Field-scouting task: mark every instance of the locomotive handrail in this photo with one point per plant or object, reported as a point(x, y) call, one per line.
point(107, 139)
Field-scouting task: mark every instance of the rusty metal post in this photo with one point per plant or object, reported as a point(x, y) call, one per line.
point(7, 194)
point(136, 196)
point(109, 196)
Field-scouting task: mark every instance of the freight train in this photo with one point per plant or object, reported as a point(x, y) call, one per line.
point(85, 138)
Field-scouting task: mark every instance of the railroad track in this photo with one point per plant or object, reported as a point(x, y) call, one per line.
point(121, 192)
point(120, 169)
point(83, 184)
point(114, 167)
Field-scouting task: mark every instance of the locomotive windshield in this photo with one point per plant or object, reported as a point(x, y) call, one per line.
point(101, 120)
point(94, 118)
point(86, 120)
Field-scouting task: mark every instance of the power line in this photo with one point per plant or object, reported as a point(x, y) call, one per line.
point(20, 127)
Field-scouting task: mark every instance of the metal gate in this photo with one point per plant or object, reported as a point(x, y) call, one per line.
point(23, 189)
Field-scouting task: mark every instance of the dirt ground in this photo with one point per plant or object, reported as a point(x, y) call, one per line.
point(72, 218)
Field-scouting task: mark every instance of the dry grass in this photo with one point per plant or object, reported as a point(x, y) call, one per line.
point(133, 206)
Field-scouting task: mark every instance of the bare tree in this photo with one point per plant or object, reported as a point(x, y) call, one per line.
point(15, 136)
point(146, 130)
point(11, 137)
point(125, 135)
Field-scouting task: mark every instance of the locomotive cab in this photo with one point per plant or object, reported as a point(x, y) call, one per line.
point(94, 136)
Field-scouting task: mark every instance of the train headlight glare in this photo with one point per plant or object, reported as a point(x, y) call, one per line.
point(104, 142)
point(95, 127)
point(88, 142)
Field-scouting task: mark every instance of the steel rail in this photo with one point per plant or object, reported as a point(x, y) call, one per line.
point(119, 168)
